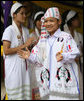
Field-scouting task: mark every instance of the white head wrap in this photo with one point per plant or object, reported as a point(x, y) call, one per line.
point(37, 14)
point(51, 12)
point(15, 7)
point(70, 15)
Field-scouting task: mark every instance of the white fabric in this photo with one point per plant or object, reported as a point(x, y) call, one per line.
point(44, 56)
point(70, 15)
point(66, 28)
point(77, 36)
point(78, 39)
point(34, 85)
point(52, 12)
point(17, 79)
point(37, 14)
point(15, 7)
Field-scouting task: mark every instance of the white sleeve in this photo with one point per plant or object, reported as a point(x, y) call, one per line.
point(34, 56)
point(70, 50)
point(7, 35)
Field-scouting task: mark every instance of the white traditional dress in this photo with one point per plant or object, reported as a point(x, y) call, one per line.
point(56, 80)
point(17, 79)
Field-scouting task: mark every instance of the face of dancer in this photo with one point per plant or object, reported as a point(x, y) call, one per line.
point(38, 24)
point(52, 24)
point(76, 23)
point(20, 16)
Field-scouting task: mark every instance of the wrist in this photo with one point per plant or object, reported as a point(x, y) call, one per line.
point(21, 47)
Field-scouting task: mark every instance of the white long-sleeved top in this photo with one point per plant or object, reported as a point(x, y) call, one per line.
point(67, 55)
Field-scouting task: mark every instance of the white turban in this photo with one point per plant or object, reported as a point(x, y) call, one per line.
point(15, 7)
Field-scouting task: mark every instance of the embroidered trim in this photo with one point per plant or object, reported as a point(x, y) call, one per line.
point(43, 74)
point(58, 77)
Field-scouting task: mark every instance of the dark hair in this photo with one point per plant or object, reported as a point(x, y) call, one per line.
point(63, 19)
point(19, 9)
point(38, 18)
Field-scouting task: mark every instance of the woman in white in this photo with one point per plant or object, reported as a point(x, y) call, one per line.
point(37, 27)
point(15, 36)
point(57, 73)
point(37, 24)
point(72, 22)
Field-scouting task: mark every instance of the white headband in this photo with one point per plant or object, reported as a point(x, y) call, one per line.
point(15, 7)
point(70, 15)
point(37, 14)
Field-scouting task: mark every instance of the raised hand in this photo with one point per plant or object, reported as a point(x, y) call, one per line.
point(59, 57)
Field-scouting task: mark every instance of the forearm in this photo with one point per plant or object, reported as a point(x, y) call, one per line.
point(10, 51)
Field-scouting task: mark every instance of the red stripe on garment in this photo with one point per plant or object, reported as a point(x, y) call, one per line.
point(7, 41)
point(69, 47)
point(43, 32)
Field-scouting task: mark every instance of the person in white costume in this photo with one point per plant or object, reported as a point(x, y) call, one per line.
point(71, 23)
point(57, 72)
point(16, 37)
